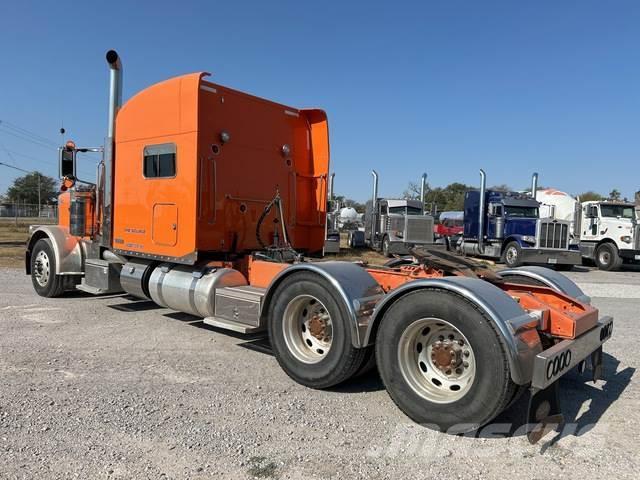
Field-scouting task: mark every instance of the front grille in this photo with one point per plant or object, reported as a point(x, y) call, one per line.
point(553, 235)
point(419, 229)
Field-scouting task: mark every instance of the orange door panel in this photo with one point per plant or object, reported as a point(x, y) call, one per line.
point(164, 229)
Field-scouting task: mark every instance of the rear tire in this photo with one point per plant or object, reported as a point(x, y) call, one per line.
point(512, 255)
point(43, 266)
point(607, 257)
point(411, 366)
point(310, 332)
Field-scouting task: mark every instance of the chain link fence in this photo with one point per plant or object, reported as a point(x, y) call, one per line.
point(28, 210)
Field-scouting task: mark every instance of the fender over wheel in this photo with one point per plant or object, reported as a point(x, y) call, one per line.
point(443, 362)
point(310, 333)
point(43, 267)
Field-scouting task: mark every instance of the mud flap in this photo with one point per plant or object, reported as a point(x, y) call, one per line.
point(596, 365)
point(544, 412)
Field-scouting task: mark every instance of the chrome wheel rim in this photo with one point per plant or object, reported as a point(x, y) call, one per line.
point(308, 330)
point(436, 360)
point(511, 255)
point(42, 268)
point(604, 257)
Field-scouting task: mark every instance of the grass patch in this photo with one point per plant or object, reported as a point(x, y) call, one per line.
point(13, 237)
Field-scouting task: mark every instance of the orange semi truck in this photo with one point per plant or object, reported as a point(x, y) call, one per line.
point(210, 201)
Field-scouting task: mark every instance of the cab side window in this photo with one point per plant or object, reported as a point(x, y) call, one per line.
point(159, 161)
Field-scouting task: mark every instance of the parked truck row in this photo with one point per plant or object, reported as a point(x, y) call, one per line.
point(540, 227)
point(213, 202)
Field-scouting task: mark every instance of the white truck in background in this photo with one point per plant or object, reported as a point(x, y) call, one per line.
point(606, 231)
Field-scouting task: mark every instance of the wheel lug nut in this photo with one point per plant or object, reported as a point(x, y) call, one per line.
point(466, 364)
point(466, 353)
point(461, 342)
point(448, 372)
point(458, 371)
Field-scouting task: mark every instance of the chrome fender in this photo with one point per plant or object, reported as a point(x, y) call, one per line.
point(353, 284)
point(552, 279)
point(69, 251)
point(516, 327)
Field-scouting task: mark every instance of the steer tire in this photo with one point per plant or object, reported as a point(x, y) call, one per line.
point(286, 317)
point(512, 255)
point(607, 257)
point(43, 260)
point(487, 393)
point(386, 246)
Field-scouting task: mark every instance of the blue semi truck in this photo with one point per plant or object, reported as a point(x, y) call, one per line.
point(512, 230)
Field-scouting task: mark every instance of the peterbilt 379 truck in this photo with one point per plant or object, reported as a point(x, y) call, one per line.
point(393, 226)
point(606, 231)
point(207, 202)
point(507, 226)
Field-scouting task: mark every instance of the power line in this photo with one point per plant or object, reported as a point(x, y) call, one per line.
point(27, 139)
point(24, 131)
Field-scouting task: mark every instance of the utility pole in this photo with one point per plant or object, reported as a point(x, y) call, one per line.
point(39, 189)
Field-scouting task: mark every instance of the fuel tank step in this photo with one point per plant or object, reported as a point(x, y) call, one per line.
point(238, 309)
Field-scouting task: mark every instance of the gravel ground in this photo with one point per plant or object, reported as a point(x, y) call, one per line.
point(109, 388)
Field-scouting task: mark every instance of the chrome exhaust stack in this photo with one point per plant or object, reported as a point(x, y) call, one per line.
point(374, 193)
point(534, 185)
point(481, 210)
point(115, 102)
point(374, 205)
point(331, 180)
point(423, 190)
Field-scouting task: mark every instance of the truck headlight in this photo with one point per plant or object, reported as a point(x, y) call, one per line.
point(626, 239)
point(529, 239)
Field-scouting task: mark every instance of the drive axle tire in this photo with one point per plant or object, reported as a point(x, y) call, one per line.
point(43, 266)
point(607, 257)
point(310, 332)
point(443, 362)
point(512, 255)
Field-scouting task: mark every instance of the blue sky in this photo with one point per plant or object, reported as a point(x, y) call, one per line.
point(440, 87)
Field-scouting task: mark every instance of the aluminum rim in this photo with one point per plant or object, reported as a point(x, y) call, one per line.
point(604, 257)
point(307, 328)
point(511, 255)
point(424, 347)
point(42, 268)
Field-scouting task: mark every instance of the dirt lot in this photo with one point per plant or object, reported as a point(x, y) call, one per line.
point(109, 388)
point(13, 235)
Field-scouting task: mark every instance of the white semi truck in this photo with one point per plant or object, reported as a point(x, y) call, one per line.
point(606, 231)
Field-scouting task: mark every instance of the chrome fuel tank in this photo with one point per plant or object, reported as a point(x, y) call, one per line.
point(191, 289)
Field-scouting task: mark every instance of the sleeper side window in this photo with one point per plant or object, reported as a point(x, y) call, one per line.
point(160, 161)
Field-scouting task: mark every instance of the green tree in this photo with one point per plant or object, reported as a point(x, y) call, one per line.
point(614, 194)
point(25, 189)
point(590, 196)
point(450, 197)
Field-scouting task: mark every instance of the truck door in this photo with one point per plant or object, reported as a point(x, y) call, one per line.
point(590, 222)
point(164, 229)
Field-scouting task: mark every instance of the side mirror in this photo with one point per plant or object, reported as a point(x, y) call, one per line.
point(67, 161)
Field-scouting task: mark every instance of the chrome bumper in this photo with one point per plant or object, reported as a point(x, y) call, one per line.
point(553, 363)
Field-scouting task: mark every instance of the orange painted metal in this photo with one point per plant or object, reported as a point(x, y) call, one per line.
point(390, 279)
point(234, 152)
point(261, 273)
point(567, 317)
point(64, 208)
